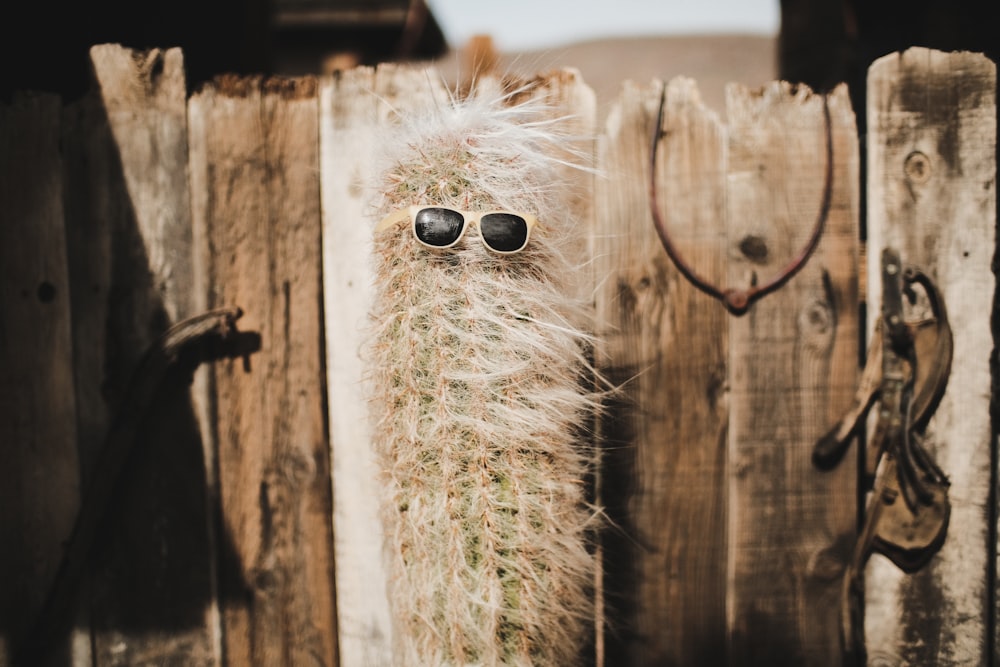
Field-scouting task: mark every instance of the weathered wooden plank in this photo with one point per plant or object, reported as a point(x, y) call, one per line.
point(256, 201)
point(129, 225)
point(932, 195)
point(664, 343)
point(350, 115)
point(39, 472)
point(793, 365)
point(96, 202)
point(144, 96)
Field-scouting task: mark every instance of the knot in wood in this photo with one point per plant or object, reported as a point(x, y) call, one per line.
point(917, 167)
point(754, 248)
point(816, 324)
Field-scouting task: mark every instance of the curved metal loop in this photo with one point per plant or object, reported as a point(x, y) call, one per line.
point(738, 301)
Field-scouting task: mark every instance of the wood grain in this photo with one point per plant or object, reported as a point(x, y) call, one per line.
point(663, 342)
point(130, 257)
point(255, 184)
point(351, 110)
point(144, 95)
point(39, 471)
point(932, 196)
point(792, 371)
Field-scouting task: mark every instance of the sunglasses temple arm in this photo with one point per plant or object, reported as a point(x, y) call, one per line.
point(392, 220)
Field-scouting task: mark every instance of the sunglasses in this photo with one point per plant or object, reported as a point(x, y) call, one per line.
point(502, 232)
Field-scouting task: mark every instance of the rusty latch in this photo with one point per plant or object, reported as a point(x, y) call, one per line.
point(906, 373)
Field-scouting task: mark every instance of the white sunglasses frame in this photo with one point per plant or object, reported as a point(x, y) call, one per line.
point(468, 217)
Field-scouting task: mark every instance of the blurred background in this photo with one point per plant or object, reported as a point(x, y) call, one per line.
point(43, 45)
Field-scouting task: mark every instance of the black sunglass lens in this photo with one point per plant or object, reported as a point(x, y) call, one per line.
point(504, 232)
point(438, 227)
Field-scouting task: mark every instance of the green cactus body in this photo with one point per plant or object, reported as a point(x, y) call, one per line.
point(479, 395)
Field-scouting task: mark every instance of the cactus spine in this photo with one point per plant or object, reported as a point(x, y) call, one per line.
point(479, 394)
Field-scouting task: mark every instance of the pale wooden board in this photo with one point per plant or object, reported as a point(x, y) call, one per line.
point(255, 183)
point(942, 219)
point(792, 371)
point(40, 485)
point(664, 343)
point(347, 126)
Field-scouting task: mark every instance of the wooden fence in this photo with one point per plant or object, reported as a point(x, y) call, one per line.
point(232, 513)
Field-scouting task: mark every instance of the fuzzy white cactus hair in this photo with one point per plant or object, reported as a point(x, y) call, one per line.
point(479, 392)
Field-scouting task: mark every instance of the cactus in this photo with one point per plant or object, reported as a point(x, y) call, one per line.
point(480, 393)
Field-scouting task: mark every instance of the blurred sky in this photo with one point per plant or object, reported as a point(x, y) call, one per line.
point(524, 25)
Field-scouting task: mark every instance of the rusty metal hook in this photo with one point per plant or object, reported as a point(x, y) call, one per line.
point(738, 301)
